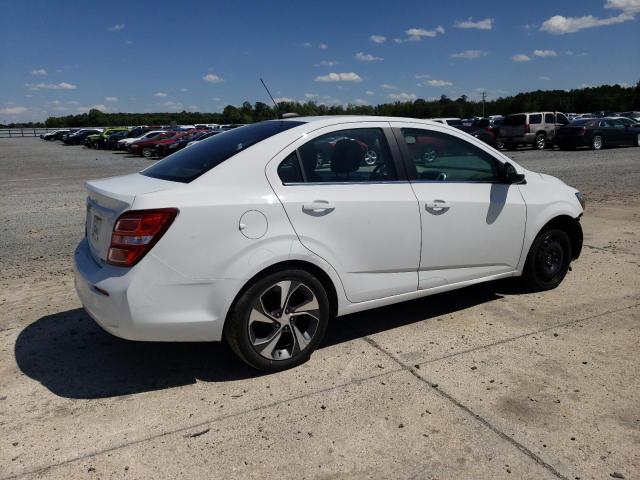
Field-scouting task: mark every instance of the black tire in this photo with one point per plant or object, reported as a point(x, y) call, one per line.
point(240, 334)
point(540, 141)
point(147, 152)
point(597, 142)
point(548, 260)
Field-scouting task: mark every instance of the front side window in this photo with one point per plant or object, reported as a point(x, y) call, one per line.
point(548, 118)
point(441, 157)
point(347, 156)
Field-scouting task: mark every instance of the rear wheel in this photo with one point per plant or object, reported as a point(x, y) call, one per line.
point(279, 320)
point(548, 260)
point(597, 142)
point(147, 152)
point(540, 142)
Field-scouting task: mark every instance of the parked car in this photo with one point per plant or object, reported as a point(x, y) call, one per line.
point(454, 122)
point(243, 237)
point(78, 138)
point(125, 142)
point(53, 134)
point(632, 115)
point(598, 133)
point(484, 129)
point(145, 146)
point(114, 138)
point(99, 140)
point(536, 129)
point(167, 148)
point(203, 136)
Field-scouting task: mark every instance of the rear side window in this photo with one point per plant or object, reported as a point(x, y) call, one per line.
point(514, 120)
point(536, 118)
point(188, 164)
point(561, 119)
point(548, 118)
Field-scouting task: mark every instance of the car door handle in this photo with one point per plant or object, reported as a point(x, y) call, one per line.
point(318, 206)
point(437, 204)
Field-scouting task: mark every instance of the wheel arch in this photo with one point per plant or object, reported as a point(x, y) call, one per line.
point(572, 227)
point(309, 267)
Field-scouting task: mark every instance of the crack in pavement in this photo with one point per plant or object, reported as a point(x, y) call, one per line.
point(402, 367)
point(522, 448)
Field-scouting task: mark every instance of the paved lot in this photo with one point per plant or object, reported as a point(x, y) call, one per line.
point(485, 382)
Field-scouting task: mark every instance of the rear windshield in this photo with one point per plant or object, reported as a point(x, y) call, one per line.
point(455, 123)
point(514, 120)
point(188, 164)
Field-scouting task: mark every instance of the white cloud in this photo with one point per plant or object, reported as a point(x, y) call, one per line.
point(117, 28)
point(310, 96)
point(360, 101)
point(306, 44)
point(129, 42)
point(423, 75)
point(194, 107)
point(370, 92)
point(284, 99)
point(521, 57)
point(417, 34)
point(367, 57)
point(339, 77)
point(470, 54)
point(13, 110)
point(160, 94)
point(545, 53)
point(569, 52)
point(111, 99)
point(545, 78)
point(438, 83)
point(184, 89)
point(560, 25)
point(486, 24)
point(388, 86)
point(402, 96)
point(326, 63)
point(212, 78)
point(40, 72)
point(378, 38)
point(52, 86)
point(323, 46)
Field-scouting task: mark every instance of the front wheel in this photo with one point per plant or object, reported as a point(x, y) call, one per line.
point(548, 260)
point(279, 320)
point(147, 152)
point(596, 143)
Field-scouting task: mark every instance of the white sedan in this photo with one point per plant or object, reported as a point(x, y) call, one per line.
point(247, 237)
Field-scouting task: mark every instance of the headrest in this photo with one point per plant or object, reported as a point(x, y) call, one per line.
point(347, 156)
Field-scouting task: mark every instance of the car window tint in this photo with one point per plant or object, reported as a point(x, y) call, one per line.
point(562, 120)
point(289, 169)
point(189, 163)
point(548, 118)
point(441, 157)
point(514, 120)
point(535, 118)
point(354, 155)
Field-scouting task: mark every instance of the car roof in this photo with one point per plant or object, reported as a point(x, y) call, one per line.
point(326, 120)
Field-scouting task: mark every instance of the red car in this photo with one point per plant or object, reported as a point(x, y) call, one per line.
point(145, 147)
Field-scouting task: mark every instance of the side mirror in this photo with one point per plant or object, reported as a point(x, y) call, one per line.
point(511, 175)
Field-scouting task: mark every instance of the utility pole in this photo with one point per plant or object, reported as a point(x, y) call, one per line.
point(484, 97)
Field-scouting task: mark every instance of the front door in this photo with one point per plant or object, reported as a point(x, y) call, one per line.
point(473, 224)
point(348, 202)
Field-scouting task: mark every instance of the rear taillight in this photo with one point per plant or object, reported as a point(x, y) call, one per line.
point(527, 129)
point(136, 232)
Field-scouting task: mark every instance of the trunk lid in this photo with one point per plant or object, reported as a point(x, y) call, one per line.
point(107, 199)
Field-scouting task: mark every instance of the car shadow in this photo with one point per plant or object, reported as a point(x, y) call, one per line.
point(73, 357)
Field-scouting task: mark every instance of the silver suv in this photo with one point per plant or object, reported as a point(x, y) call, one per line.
point(536, 129)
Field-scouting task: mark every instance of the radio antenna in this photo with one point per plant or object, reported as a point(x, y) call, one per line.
point(271, 96)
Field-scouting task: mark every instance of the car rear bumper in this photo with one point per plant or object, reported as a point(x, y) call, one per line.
point(147, 302)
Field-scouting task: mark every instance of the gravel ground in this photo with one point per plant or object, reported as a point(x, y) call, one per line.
point(485, 382)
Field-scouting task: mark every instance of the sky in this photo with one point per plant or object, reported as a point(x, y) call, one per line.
point(62, 58)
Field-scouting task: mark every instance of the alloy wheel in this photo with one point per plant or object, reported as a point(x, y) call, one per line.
point(371, 157)
point(429, 155)
point(283, 320)
point(540, 142)
point(597, 142)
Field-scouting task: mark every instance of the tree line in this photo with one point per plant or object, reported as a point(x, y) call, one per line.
point(589, 99)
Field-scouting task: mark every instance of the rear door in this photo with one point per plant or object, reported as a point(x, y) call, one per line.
point(348, 199)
